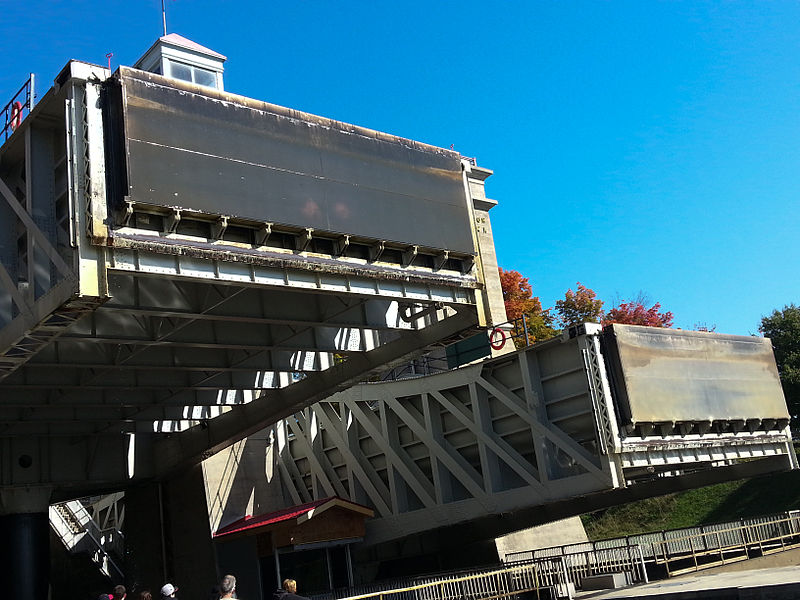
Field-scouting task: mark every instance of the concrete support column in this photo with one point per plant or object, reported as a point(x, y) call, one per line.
point(144, 536)
point(25, 541)
point(481, 205)
point(167, 536)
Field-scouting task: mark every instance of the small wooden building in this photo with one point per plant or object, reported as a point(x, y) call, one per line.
point(309, 543)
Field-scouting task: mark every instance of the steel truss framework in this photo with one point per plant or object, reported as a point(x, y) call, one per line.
point(110, 336)
point(523, 430)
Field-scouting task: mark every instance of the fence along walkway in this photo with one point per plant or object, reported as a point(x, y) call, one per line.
point(695, 548)
point(727, 544)
point(532, 575)
point(554, 569)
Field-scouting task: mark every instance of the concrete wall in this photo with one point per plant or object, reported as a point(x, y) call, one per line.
point(557, 533)
point(493, 293)
point(242, 480)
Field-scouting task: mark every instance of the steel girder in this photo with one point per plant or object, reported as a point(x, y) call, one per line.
point(449, 448)
point(112, 336)
point(529, 429)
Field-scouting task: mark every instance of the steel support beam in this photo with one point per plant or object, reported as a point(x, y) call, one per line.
point(535, 428)
point(194, 444)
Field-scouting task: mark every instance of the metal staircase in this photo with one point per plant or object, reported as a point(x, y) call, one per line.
point(81, 534)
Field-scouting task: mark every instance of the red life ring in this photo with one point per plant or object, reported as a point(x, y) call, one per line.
point(497, 344)
point(16, 115)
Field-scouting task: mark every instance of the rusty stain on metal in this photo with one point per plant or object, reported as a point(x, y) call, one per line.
point(666, 375)
point(210, 151)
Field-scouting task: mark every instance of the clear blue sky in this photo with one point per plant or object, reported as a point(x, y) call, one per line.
point(636, 145)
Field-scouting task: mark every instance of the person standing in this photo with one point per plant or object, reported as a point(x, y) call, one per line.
point(288, 591)
point(227, 587)
point(168, 591)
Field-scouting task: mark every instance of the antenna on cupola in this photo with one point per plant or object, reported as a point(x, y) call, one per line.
point(164, 16)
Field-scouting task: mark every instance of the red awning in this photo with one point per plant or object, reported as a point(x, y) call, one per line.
point(300, 512)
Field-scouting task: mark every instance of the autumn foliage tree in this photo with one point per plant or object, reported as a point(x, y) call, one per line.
point(580, 306)
point(636, 312)
point(520, 301)
point(783, 328)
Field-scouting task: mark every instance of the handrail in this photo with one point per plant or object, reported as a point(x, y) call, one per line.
point(6, 117)
point(531, 576)
point(718, 542)
point(563, 572)
point(726, 530)
point(667, 547)
point(515, 330)
point(425, 365)
point(432, 584)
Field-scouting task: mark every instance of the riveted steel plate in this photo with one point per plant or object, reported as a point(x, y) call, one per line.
point(667, 375)
point(206, 150)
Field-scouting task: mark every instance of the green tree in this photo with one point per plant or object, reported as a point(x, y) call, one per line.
point(520, 301)
point(783, 328)
point(580, 306)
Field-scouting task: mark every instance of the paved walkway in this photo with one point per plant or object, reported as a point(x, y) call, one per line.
point(774, 584)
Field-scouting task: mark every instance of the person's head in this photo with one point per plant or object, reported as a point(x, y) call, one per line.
point(290, 585)
point(119, 592)
point(145, 595)
point(168, 591)
point(227, 585)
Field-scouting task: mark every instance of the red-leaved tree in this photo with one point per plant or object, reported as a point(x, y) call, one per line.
point(636, 312)
point(518, 295)
point(520, 301)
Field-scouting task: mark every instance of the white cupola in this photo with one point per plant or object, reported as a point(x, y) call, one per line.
point(175, 56)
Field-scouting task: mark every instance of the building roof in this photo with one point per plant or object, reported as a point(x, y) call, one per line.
point(179, 40)
point(301, 512)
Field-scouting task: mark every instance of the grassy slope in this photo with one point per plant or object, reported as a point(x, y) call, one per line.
point(722, 502)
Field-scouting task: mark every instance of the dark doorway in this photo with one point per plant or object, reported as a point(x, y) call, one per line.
point(310, 568)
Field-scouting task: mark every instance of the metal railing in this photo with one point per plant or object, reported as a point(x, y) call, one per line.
point(560, 575)
point(715, 546)
point(20, 105)
point(627, 560)
point(553, 551)
point(423, 366)
point(517, 331)
point(701, 544)
point(480, 584)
